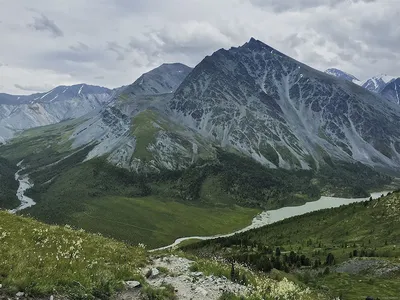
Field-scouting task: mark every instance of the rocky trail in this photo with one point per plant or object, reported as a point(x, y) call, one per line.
point(175, 271)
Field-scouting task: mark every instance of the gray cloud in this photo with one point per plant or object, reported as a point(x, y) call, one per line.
point(117, 49)
point(29, 88)
point(120, 40)
point(294, 5)
point(80, 47)
point(43, 23)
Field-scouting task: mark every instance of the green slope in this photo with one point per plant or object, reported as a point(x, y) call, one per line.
point(39, 259)
point(8, 184)
point(367, 231)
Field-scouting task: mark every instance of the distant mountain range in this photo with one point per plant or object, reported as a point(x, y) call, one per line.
point(18, 113)
point(341, 74)
point(375, 84)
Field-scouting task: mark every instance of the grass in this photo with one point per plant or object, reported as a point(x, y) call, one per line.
point(158, 223)
point(372, 228)
point(353, 287)
point(144, 128)
point(8, 184)
point(39, 260)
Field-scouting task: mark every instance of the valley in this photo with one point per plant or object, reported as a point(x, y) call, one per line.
point(252, 168)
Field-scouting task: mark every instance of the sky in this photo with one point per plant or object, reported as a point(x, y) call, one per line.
point(45, 43)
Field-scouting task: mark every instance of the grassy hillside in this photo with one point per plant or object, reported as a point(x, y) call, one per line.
point(8, 184)
point(314, 245)
point(39, 259)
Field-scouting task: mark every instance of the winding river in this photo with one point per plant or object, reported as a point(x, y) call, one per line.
point(24, 184)
point(272, 216)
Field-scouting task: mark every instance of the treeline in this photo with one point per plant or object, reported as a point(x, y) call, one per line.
point(8, 185)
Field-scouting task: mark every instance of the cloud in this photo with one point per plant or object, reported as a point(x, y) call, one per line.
point(119, 40)
point(29, 88)
point(296, 5)
point(80, 47)
point(43, 23)
point(117, 49)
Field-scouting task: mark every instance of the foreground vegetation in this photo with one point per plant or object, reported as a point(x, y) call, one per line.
point(313, 246)
point(39, 259)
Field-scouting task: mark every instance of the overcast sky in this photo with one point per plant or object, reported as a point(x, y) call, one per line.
point(45, 43)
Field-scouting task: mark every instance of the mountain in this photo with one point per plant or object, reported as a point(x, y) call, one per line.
point(63, 102)
point(164, 79)
point(377, 83)
point(252, 100)
point(282, 113)
point(391, 91)
point(374, 84)
point(340, 74)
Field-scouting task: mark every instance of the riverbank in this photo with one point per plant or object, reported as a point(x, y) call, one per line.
point(272, 216)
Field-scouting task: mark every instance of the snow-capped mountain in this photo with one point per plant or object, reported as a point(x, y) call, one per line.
point(340, 74)
point(63, 102)
point(391, 91)
point(377, 83)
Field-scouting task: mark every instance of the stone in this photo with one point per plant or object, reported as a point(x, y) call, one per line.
point(197, 274)
point(154, 273)
point(51, 297)
point(133, 284)
point(1, 285)
point(20, 294)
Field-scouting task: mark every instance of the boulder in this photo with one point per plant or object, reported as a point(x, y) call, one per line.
point(154, 273)
point(133, 284)
point(197, 274)
point(20, 294)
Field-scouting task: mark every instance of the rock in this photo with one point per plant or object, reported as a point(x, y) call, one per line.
point(1, 285)
point(133, 284)
point(154, 272)
point(201, 291)
point(197, 274)
point(20, 294)
point(51, 297)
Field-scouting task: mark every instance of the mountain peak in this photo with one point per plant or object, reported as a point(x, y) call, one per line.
point(343, 75)
point(164, 79)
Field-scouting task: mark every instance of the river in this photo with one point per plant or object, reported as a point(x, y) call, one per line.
point(272, 216)
point(24, 184)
